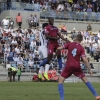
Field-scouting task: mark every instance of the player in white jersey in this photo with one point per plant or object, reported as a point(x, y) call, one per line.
point(43, 51)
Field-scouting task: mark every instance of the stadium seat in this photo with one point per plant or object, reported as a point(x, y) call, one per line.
point(25, 63)
point(52, 13)
point(13, 5)
point(18, 6)
point(27, 7)
point(98, 16)
point(36, 7)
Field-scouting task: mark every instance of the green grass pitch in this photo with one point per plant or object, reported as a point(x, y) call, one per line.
point(44, 91)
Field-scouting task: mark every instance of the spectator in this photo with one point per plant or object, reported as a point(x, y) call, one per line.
point(19, 73)
point(20, 62)
point(36, 21)
point(11, 23)
point(33, 45)
point(31, 63)
point(63, 29)
point(7, 49)
point(12, 73)
point(10, 58)
point(14, 42)
point(89, 27)
point(98, 33)
point(92, 49)
point(31, 21)
point(19, 20)
point(36, 61)
point(1, 51)
point(5, 23)
point(8, 4)
point(87, 45)
point(74, 33)
point(17, 50)
point(15, 58)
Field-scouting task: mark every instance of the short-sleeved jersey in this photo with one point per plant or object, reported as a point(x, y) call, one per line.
point(75, 52)
point(42, 38)
point(51, 31)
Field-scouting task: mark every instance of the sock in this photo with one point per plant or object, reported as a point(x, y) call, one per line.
point(91, 88)
point(44, 62)
point(60, 63)
point(41, 70)
point(47, 68)
point(61, 91)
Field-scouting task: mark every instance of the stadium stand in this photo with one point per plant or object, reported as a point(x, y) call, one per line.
point(11, 46)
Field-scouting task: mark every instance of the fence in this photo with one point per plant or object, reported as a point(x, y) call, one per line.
point(95, 69)
point(65, 15)
point(19, 6)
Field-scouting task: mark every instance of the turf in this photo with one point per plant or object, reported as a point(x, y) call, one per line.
point(44, 91)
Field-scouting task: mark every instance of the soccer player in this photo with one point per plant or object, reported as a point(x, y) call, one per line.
point(75, 52)
point(53, 36)
point(43, 51)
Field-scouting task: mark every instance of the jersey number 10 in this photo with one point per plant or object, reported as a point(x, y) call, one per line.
point(74, 52)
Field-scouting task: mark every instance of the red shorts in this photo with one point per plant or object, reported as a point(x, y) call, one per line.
point(69, 70)
point(52, 47)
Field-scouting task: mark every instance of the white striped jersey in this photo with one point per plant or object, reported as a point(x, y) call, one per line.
point(42, 38)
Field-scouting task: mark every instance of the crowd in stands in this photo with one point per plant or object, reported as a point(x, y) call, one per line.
point(67, 5)
point(19, 47)
point(91, 41)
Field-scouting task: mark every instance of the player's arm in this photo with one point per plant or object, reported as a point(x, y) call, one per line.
point(62, 37)
point(87, 64)
point(59, 48)
point(50, 37)
point(46, 32)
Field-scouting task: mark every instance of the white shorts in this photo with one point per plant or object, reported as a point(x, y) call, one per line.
point(43, 51)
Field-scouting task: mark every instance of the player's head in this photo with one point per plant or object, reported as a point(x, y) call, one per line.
point(44, 25)
point(79, 37)
point(51, 21)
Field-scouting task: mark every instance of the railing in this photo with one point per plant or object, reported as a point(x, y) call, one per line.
point(95, 69)
point(19, 6)
point(65, 15)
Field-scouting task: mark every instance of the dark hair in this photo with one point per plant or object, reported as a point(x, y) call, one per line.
point(51, 20)
point(79, 37)
point(44, 25)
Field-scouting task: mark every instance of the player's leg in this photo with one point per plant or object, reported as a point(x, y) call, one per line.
point(59, 61)
point(47, 66)
point(91, 88)
point(41, 70)
point(79, 73)
point(50, 55)
point(44, 54)
point(65, 74)
point(60, 87)
point(59, 57)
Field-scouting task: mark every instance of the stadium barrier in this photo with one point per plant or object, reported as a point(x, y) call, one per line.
point(95, 69)
point(19, 6)
point(64, 15)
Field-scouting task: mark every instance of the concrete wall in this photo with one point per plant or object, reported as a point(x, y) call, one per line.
point(79, 25)
point(13, 14)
